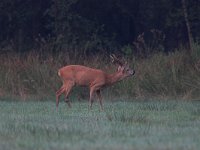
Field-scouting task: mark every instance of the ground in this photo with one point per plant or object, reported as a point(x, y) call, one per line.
point(125, 124)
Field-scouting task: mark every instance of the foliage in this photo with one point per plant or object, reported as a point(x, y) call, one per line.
point(93, 26)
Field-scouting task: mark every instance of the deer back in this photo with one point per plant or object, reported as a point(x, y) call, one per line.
point(81, 75)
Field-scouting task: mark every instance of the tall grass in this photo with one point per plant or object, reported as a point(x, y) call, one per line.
point(162, 75)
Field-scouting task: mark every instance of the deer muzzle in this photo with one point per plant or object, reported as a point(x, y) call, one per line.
point(132, 72)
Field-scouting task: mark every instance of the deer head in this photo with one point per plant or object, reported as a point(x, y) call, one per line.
point(123, 67)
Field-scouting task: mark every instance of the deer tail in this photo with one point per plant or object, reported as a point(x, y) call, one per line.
point(59, 72)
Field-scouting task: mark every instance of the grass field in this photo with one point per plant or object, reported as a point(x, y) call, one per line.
point(147, 125)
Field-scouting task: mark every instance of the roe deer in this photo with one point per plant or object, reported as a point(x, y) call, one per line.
point(95, 79)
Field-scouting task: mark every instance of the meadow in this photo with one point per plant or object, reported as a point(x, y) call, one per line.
point(124, 124)
point(157, 108)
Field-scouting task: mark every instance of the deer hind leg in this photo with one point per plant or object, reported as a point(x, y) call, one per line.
point(58, 94)
point(98, 92)
point(67, 92)
point(91, 100)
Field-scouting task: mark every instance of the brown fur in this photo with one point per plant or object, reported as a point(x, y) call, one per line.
point(95, 79)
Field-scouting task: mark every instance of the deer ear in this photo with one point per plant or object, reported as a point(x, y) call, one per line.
point(119, 68)
point(123, 69)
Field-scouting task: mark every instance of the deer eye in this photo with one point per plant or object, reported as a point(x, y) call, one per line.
point(127, 69)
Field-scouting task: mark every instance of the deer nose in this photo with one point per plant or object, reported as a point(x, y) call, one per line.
point(132, 72)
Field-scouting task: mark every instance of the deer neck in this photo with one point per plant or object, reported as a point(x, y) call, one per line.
point(113, 78)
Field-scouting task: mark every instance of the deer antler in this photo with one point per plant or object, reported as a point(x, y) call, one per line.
point(116, 60)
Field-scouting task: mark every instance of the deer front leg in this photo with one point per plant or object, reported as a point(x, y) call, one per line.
point(95, 89)
point(98, 92)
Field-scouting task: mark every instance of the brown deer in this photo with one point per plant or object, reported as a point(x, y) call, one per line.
point(95, 79)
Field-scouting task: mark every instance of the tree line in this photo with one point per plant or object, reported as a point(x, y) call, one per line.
point(85, 27)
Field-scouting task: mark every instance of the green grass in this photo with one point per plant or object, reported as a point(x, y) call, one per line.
point(147, 125)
